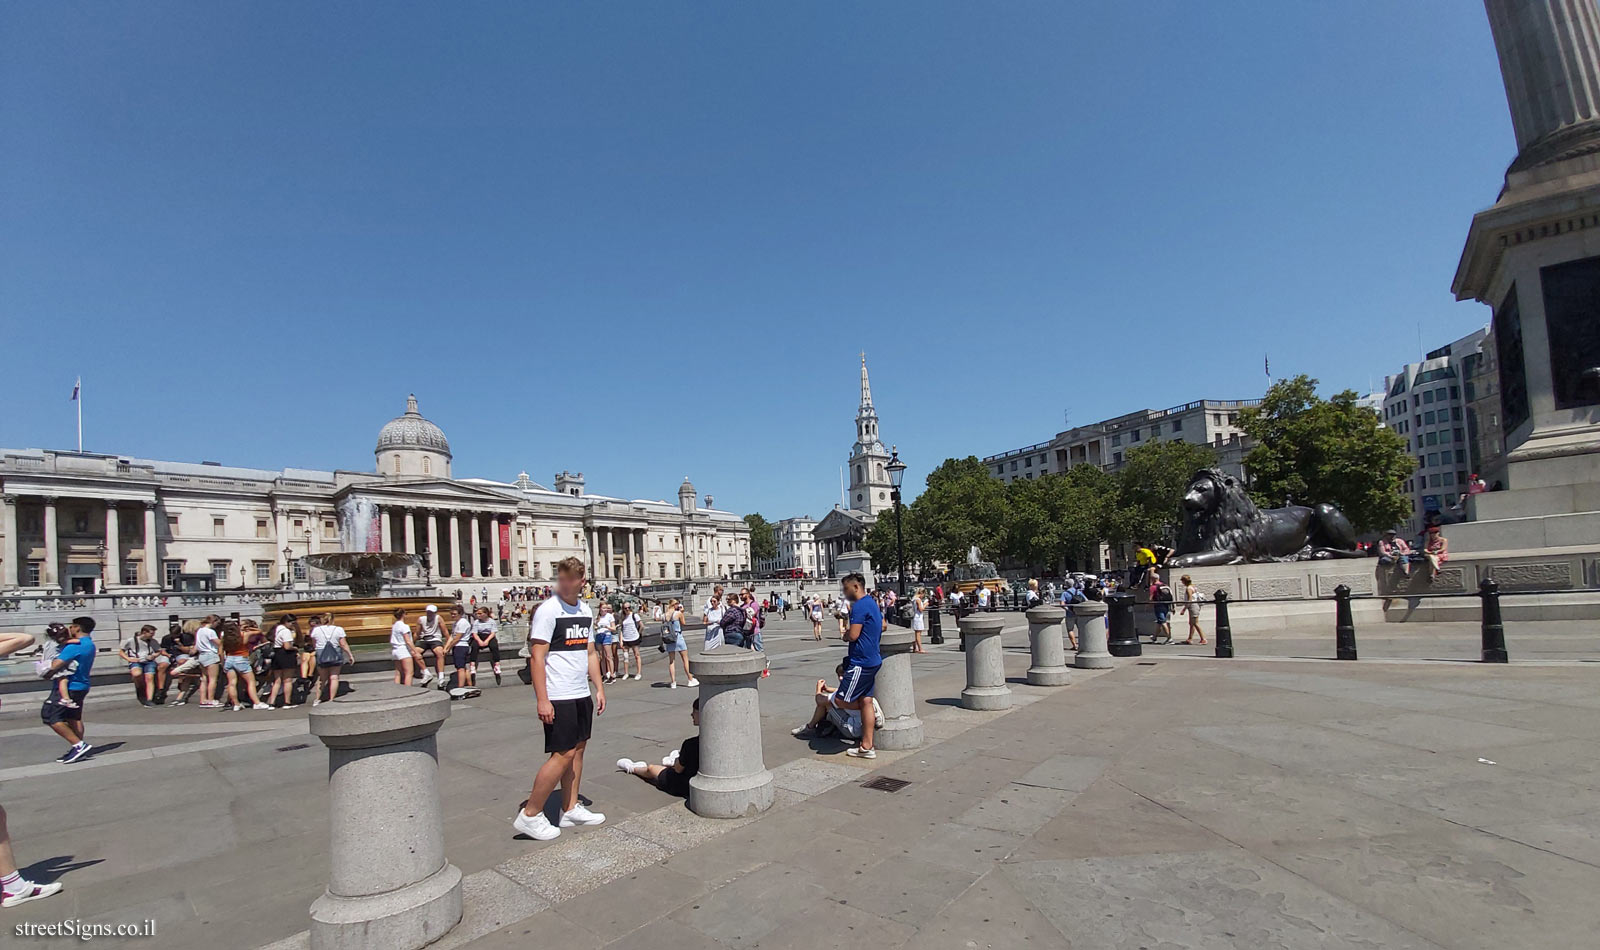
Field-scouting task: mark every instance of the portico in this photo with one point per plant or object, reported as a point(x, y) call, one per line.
point(72, 538)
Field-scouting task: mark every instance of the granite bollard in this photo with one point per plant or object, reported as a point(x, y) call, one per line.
point(389, 887)
point(1048, 646)
point(733, 780)
point(1090, 618)
point(901, 728)
point(986, 663)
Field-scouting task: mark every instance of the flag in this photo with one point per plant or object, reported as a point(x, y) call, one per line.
point(1266, 364)
point(75, 387)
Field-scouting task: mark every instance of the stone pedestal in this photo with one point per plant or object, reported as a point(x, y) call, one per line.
point(733, 779)
point(986, 663)
point(1090, 618)
point(389, 887)
point(1048, 645)
point(901, 728)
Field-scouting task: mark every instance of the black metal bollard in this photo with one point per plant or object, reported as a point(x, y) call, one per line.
point(1344, 626)
point(1224, 632)
point(1494, 631)
point(1122, 638)
point(935, 628)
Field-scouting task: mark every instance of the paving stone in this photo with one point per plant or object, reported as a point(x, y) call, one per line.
point(906, 890)
point(758, 903)
point(491, 901)
point(580, 861)
point(1434, 732)
point(631, 902)
point(964, 847)
point(674, 827)
point(812, 776)
point(990, 915)
point(1018, 809)
point(1069, 772)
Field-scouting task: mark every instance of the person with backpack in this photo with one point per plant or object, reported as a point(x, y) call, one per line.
point(1161, 603)
point(674, 646)
point(1191, 606)
point(332, 652)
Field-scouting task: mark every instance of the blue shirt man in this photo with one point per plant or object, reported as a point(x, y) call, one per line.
point(862, 661)
point(864, 648)
point(82, 651)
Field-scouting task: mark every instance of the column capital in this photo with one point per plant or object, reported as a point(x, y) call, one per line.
point(150, 505)
point(7, 498)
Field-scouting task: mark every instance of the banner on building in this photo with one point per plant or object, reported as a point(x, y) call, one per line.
point(505, 541)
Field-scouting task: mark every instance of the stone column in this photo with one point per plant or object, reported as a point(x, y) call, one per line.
point(733, 781)
point(314, 522)
point(474, 565)
point(455, 545)
point(113, 568)
point(9, 575)
point(627, 554)
point(1048, 646)
point(901, 728)
point(152, 567)
point(1550, 62)
point(385, 536)
point(390, 886)
point(643, 535)
point(433, 542)
point(533, 531)
point(50, 577)
point(411, 530)
point(609, 539)
point(986, 662)
point(594, 552)
point(1090, 618)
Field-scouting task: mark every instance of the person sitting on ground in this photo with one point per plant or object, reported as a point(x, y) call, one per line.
point(846, 721)
point(673, 775)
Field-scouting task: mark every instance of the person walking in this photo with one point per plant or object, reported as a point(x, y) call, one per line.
point(711, 614)
point(673, 644)
point(919, 618)
point(565, 673)
point(430, 640)
point(814, 609)
point(1191, 609)
point(67, 721)
point(16, 890)
point(629, 629)
point(605, 639)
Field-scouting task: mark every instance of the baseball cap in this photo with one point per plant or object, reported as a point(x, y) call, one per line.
point(431, 609)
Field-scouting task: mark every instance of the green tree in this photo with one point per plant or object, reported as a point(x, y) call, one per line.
point(880, 543)
point(1150, 487)
point(1058, 517)
point(763, 544)
point(1311, 450)
point(963, 505)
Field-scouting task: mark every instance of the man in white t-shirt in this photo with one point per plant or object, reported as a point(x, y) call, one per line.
point(563, 665)
point(460, 646)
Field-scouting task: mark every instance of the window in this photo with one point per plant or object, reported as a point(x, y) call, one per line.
point(702, 544)
point(299, 570)
point(1461, 456)
point(661, 541)
point(537, 568)
point(1460, 436)
point(1027, 462)
point(397, 464)
point(1455, 392)
point(677, 569)
point(1433, 481)
point(263, 572)
point(1116, 438)
point(1217, 418)
point(130, 572)
point(427, 465)
point(1439, 394)
point(1000, 469)
point(661, 570)
point(1433, 458)
point(677, 541)
point(219, 572)
point(1432, 438)
point(1418, 417)
point(1455, 413)
point(1449, 478)
point(1013, 465)
point(170, 572)
point(1422, 461)
point(172, 526)
point(702, 569)
point(1133, 436)
point(1428, 418)
point(1116, 458)
point(1427, 396)
point(329, 529)
point(576, 538)
point(1233, 418)
point(35, 568)
point(299, 526)
point(1177, 425)
point(217, 528)
point(261, 527)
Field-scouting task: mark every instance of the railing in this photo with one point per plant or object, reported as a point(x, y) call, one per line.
point(90, 603)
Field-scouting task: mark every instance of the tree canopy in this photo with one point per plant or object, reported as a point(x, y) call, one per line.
point(1150, 487)
point(763, 544)
point(1310, 450)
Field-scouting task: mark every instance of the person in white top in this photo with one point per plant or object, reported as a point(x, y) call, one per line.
point(814, 610)
point(629, 627)
point(563, 666)
point(430, 643)
point(208, 649)
point(285, 660)
point(459, 646)
point(324, 634)
point(712, 613)
point(919, 618)
point(402, 649)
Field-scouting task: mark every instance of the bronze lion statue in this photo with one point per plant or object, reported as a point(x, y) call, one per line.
point(1221, 525)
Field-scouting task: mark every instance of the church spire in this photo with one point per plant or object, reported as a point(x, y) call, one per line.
point(866, 387)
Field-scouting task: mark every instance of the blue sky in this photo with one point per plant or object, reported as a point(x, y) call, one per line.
point(648, 239)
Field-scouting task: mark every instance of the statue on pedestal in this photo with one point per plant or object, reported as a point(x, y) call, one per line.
point(1221, 525)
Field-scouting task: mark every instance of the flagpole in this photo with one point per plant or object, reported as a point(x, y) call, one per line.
point(79, 401)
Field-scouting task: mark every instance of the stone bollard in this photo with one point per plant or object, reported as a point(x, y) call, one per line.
point(390, 887)
point(986, 663)
point(733, 780)
point(1048, 646)
point(901, 728)
point(1090, 618)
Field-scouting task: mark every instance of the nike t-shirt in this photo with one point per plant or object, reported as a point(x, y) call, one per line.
point(568, 628)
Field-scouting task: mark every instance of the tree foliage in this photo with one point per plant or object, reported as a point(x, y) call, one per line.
point(1311, 450)
point(1059, 517)
point(962, 506)
point(1150, 487)
point(763, 543)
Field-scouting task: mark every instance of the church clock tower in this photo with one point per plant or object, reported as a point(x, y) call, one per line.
point(869, 479)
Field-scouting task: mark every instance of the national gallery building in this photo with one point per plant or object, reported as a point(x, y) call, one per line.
point(84, 523)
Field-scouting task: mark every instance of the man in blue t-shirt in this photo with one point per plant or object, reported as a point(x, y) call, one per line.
point(862, 661)
point(67, 721)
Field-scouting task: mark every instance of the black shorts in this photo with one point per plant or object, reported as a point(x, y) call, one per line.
point(492, 648)
point(52, 712)
point(673, 782)
point(574, 721)
point(285, 658)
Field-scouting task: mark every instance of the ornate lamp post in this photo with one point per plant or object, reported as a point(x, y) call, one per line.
point(288, 571)
point(101, 550)
point(897, 471)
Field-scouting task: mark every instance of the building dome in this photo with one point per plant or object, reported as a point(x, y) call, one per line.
point(412, 431)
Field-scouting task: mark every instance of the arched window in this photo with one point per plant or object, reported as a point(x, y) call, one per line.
point(427, 466)
point(880, 471)
point(858, 474)
point(397, 464)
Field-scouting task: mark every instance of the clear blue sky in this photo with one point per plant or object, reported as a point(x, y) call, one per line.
point(648, 239)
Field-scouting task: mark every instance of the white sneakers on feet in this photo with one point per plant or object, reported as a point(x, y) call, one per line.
point(579, 815)
point(23, 891)
point(693, 681)
point(260, 706)
point(537, 827)
point(674, 685)
point(626, 765)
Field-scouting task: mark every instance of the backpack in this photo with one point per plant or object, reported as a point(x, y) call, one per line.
point(750, 619)
point(1163, 594)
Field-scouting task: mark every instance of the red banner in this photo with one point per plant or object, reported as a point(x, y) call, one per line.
point(375, 538)
point(505, 541)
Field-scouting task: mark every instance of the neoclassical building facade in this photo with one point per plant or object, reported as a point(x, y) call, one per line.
point(87, 523)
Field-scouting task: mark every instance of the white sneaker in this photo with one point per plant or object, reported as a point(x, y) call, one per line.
point(579, 815)
point(260, 706)
point(638, 676)
point(626, 765)
point(693, 681)
point(538, 827)
point(28, 891)
point(427, 677)
point(673, 686)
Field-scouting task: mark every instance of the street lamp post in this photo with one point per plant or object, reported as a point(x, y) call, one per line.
point(288, 568)
point(897, 471)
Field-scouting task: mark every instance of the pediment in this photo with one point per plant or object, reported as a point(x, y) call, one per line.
point(439, 490)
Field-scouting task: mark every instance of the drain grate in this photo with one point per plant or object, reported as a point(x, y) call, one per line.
point(291, 748)
point(885, 784)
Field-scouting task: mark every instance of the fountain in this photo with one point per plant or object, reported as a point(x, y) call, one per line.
point(976, 571)
point(366, 614)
